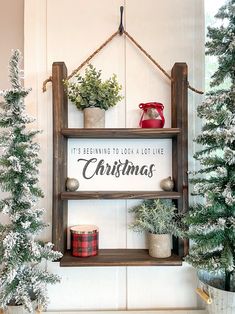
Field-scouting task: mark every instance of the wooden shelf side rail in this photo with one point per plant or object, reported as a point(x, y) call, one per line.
point(60, 120)
point(179, 119)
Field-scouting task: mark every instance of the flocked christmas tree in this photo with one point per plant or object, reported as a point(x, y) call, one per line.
point(22, 277)
point(212, 222)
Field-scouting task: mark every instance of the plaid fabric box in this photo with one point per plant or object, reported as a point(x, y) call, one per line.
point(84, 240)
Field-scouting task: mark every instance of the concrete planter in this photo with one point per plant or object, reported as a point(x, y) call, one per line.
point(19, 309)
point(94, 118)
point(159, 245)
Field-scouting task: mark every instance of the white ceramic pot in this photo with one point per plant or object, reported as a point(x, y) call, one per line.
point(159, 245)
point(94, 118)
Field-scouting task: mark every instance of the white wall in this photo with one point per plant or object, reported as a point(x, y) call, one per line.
point(69, 30)
point(11, 37)
point(11, 34)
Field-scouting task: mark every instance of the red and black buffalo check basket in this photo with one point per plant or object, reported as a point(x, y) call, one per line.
point(84, 240)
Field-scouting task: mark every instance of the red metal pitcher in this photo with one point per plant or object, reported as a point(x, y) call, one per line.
point(152, 116)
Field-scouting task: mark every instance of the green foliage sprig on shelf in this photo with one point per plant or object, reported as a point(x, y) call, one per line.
point(155, 216)
point(22, 277)
point(211, 221)
point(90, 91)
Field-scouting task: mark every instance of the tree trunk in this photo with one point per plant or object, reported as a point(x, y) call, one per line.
point(227, 280)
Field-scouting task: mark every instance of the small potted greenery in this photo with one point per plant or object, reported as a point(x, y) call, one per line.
point(158, 218)
point(92, 95)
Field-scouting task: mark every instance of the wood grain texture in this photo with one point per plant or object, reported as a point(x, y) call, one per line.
point(121, 133)
point(119, 257)
point(132, 312)
point(179, 107)
point(84, 195)
point(60, 120)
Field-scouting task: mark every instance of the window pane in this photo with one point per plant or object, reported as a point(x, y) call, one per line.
point(211, 8)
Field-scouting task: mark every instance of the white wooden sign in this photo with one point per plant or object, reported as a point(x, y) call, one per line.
point(119, 164)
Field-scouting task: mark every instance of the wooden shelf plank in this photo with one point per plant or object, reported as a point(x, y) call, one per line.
point(121, 133)
point(119, 257)
point(83, 195)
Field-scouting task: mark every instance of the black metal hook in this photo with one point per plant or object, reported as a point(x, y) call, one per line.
point(121, 27)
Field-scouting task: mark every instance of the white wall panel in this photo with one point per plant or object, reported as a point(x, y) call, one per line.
point(168, 287)
point(75, 29)
point(69, 31)
point(86, 288)
point(108, 215)
point(135, 240)
point(39, 104)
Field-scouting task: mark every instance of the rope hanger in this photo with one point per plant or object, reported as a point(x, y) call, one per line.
point(120, 32)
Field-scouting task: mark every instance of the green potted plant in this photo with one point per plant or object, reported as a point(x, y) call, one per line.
point(23, 278)
point(158, 218)
point(92, 95)
point(211, 221)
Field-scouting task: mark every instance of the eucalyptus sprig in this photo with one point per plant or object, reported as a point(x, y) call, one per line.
point(90, 91)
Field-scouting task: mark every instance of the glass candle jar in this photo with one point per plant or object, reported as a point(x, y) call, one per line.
point(84, 240)
point(152, 115)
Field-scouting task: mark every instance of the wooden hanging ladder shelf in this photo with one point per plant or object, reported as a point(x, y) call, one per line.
point(61, 133)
